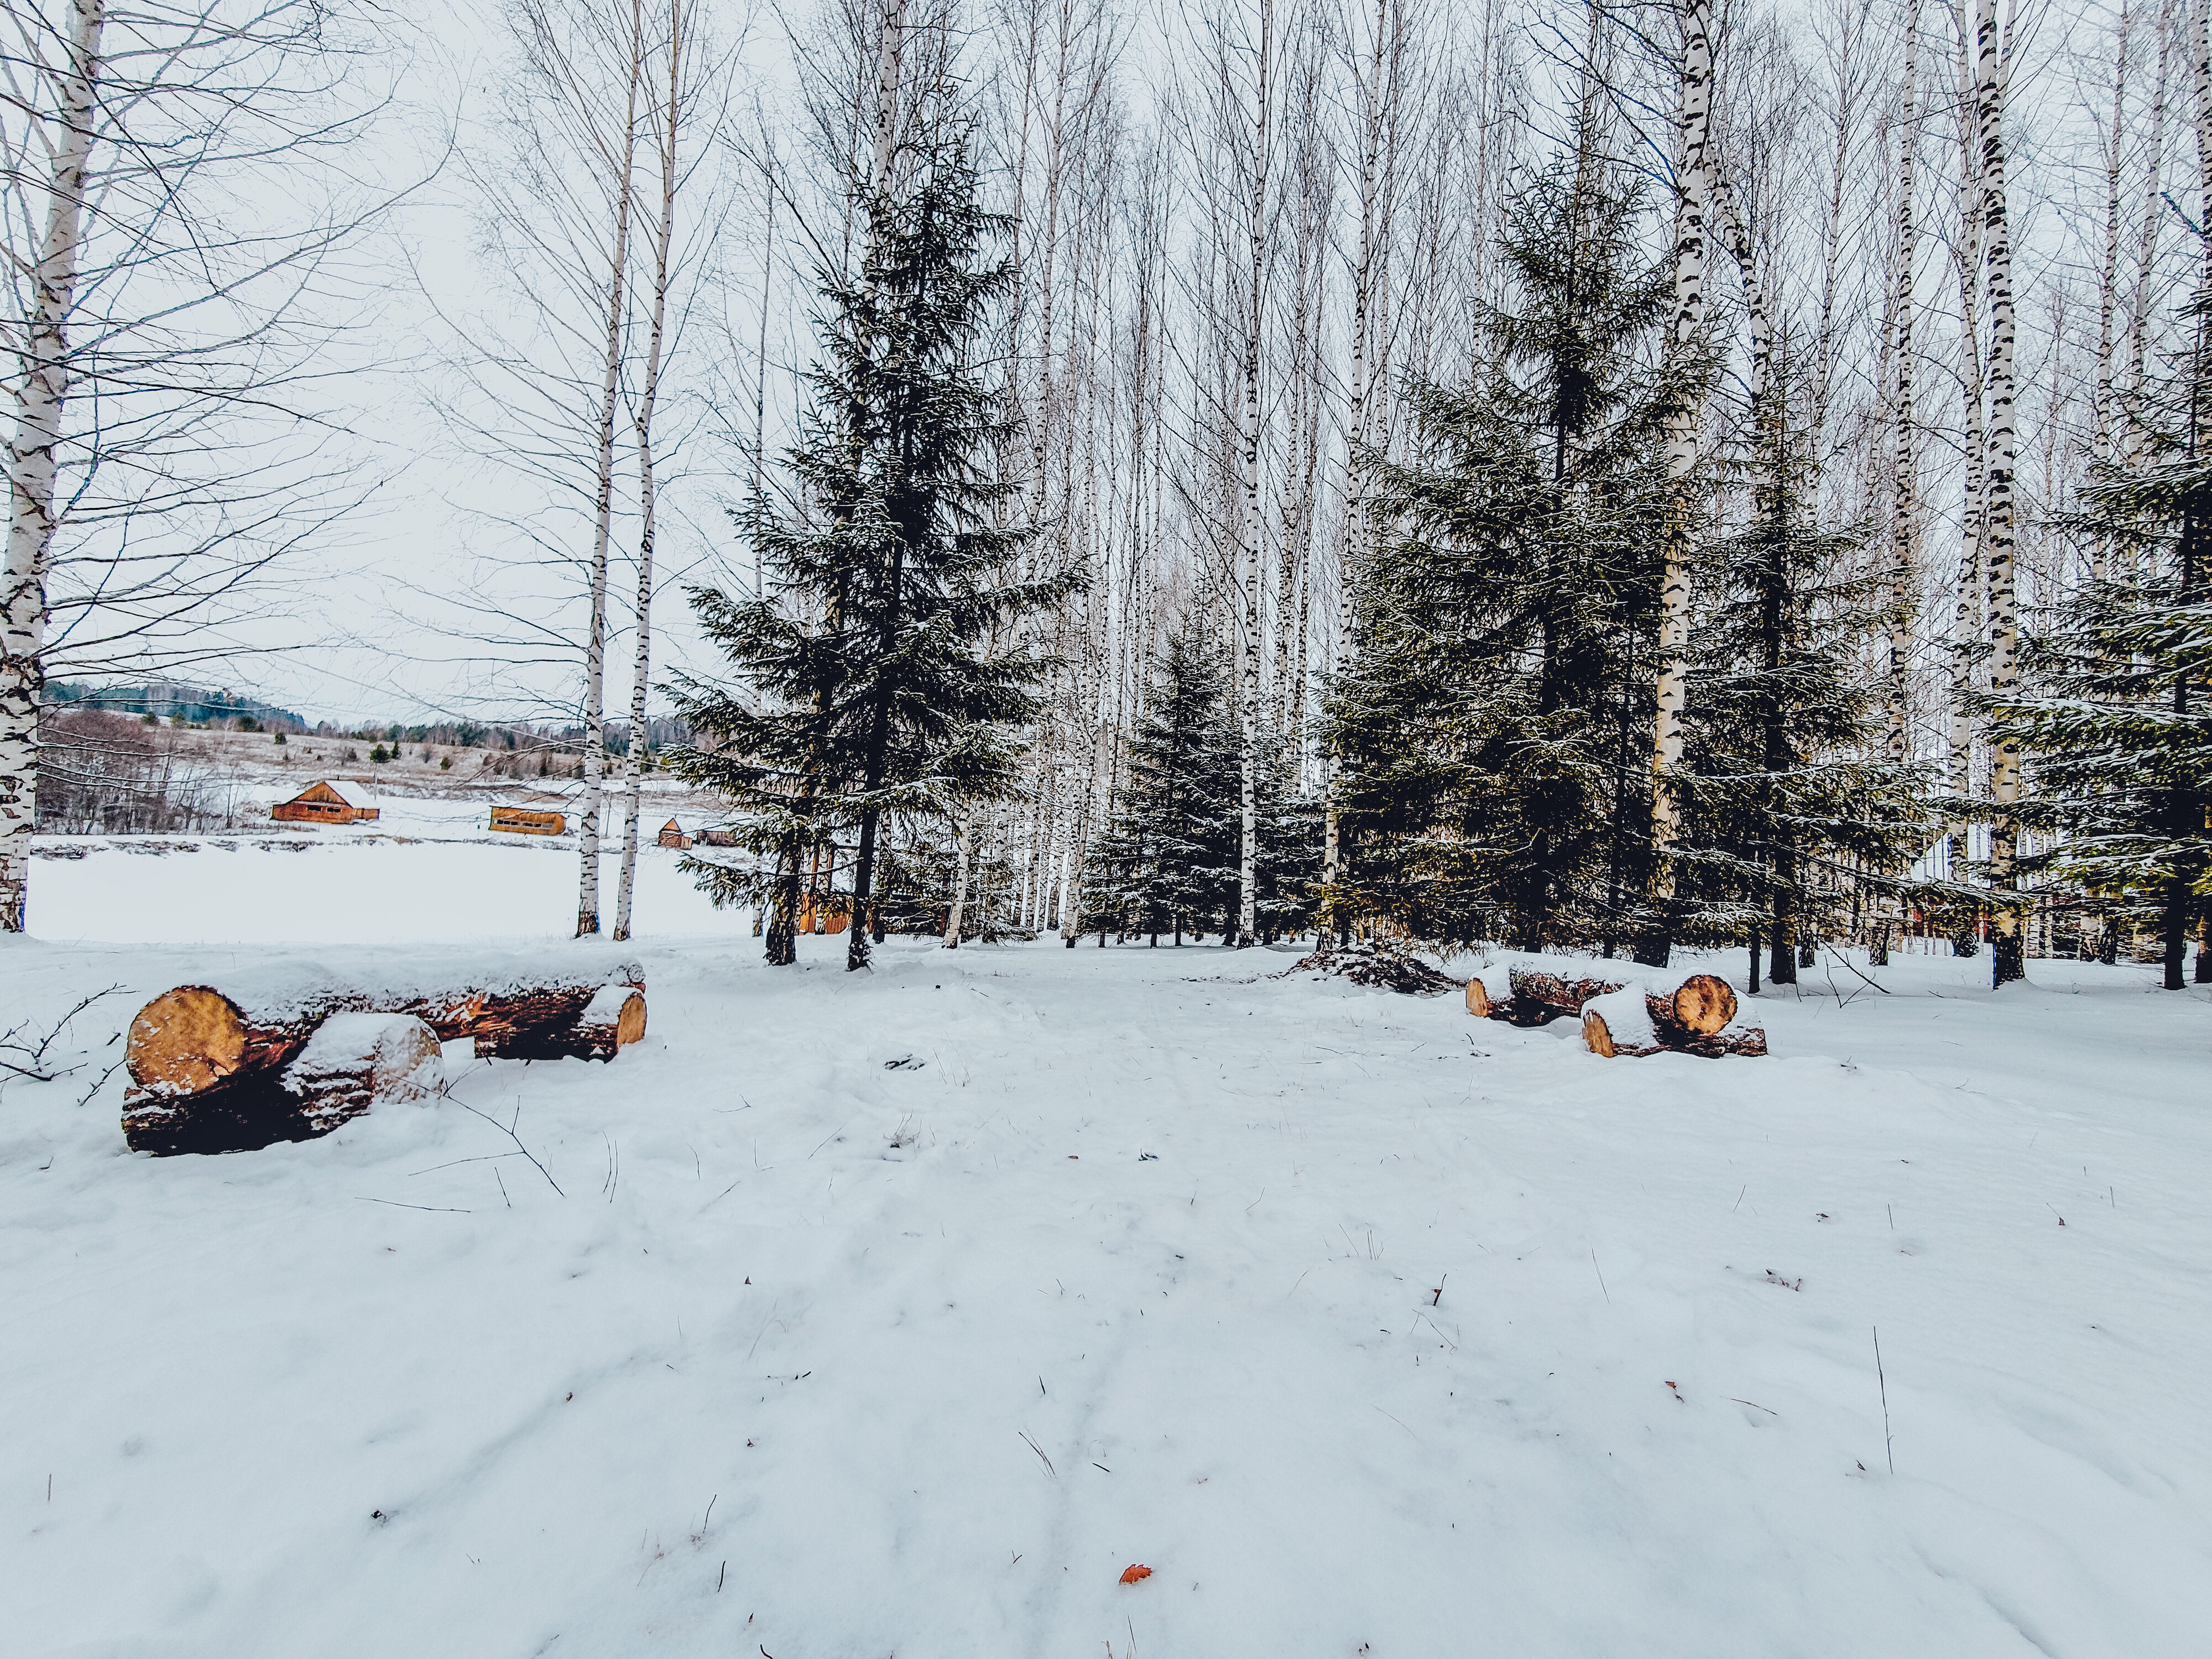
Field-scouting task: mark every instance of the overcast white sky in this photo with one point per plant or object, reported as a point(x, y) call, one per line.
point(397, 611)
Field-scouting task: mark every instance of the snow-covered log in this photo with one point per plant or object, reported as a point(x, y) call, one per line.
point(354, 1061)
point(1619, 1023)
point(1539, 997)
point(1481, 1001)
point(207, 1064)
point(614, 1018)
point(1699, 1016)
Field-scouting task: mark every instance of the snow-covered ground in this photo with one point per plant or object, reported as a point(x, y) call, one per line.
point(429, 871)
point(899, 1313)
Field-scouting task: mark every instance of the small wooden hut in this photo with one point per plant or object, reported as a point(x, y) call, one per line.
point(672, 834)
point(327, 802)
point(522, 821)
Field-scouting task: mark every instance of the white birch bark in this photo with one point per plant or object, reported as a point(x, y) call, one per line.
point(1375, 124)
point(41, 387)
point(1904, 460)
point(1251, 554)
point(2200, 60)
point(1967, 600)
point(2108, 283)
point(668, 134)
point(954, 915)
point(1686, 334)
point(2008, 958)
point(2154, 213)
point(595, 649)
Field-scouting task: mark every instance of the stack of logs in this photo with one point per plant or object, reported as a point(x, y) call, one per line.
point(1696, 1017)
point(212, 1073)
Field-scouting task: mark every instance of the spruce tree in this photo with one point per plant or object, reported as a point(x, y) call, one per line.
point(1784, 778)
point(1492, 784)
point(1168, 860)
point(2117, 720)
point(863, 682)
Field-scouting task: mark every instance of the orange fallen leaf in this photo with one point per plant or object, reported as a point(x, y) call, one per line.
point(1133, 1574)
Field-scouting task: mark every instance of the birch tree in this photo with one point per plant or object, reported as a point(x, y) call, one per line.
point(160, 453)
point(2008, 959)
point(685, 78)
point(1686, 335)
point(1378, 82)
point(1904, 458)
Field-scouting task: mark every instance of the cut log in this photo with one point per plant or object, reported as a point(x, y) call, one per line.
point(1700, 1006)
point(1619, 1023)
point(207, 1067)
point(1742, 1037)
point(1539, 997)
point(1637, 1020)
point(611, 1020)
point(354, 1061)
point(1479, 1002)
point(561, 1023)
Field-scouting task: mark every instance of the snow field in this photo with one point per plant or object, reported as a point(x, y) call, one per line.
point(1375, 1348)
point(351, 887)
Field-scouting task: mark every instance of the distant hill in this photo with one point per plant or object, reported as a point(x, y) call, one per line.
point(194, 705)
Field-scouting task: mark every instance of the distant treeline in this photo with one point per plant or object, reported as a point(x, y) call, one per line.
point(196, 706)
point(190, 705)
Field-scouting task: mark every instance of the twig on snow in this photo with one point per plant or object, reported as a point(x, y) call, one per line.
point(1887, 1445)
point(507, 1129)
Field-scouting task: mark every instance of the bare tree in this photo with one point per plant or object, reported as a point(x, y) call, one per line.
point(687, 78)
point(164, 447)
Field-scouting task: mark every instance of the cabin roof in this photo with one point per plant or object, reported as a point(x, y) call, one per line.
point(352, 794)
point(325, 789)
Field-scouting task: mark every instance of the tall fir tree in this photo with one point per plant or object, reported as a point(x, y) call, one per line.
point(1787, 793)
point(1493, 785)
point(863, 682)
point(2117, 718)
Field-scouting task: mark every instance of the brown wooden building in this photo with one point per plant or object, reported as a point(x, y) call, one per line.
point(522, 821)
point(327, 802)
point(672, 834)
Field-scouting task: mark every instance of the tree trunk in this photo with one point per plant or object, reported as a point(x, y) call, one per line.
point(1251, 557)
point(2008, 953)
point(41, 391)
point(2187, 823)
point(2154, 211)
point(954, 915)
point(2108, 285)
point(670, 127)
point(1686, 335)
point(1966, 606)
point(595, 650)
point(1905, 455)
point(782, 948)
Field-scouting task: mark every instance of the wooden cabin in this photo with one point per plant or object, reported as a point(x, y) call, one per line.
point(822, 914)
point(672, 834)
point(522, 821)
point(327, 802)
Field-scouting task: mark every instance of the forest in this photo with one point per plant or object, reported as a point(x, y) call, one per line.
point(1580, 478)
